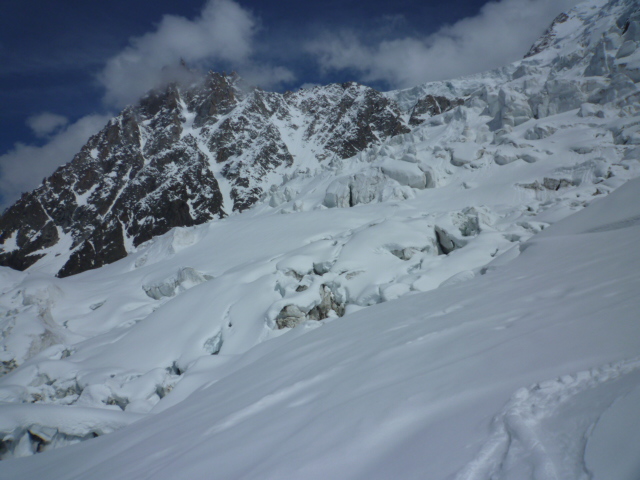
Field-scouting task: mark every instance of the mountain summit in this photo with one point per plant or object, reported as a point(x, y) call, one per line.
point(439, 282)
point(185, 155)
point(166, 161)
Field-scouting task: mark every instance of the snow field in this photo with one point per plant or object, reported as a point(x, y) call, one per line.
point(489, 320)
point(503, 375)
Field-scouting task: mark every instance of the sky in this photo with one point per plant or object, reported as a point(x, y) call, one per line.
point(66, 67)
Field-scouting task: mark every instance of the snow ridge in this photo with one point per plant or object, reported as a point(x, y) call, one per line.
point(232, 224)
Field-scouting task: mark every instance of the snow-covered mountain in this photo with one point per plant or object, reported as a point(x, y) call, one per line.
point(341, 283)
point(184, 156)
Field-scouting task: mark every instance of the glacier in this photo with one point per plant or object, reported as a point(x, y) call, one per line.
point(457, 301)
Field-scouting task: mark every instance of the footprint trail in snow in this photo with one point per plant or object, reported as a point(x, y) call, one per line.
point(542, 433)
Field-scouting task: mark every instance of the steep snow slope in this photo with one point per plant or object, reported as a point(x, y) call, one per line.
point(520, 373)
point(451, 205)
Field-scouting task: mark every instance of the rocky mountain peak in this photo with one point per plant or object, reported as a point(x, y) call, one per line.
point(188, 154)
point(159, 165)
point(548, 37)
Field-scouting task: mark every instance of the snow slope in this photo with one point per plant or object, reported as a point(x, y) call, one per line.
point(440, 305)
point(513, 374)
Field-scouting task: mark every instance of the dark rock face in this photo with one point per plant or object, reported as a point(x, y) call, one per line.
point(548, 37)
point(347, 118)
point(432, 105)
point(158, 165)
point(553, 184)
point(134, 180)
point(266, 131)
point(250, 146)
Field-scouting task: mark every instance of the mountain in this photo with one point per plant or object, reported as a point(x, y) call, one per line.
point(439, 282)
point(166, 162)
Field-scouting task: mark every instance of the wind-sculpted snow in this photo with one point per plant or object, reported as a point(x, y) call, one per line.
point(517, 372)
point(186, 277)
point(373, 296)
point(529, 439)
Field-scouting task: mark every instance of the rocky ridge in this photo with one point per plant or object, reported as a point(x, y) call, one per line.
point(159, 165)
point(186, 155)
point(189, 154)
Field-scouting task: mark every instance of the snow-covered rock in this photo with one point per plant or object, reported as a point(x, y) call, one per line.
point(380, 287)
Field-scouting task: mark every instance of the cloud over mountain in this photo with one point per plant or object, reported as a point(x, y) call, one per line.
point(503, 31)
point(221, 36)
point(226, 35)
point(46, 123)
point(23, 168)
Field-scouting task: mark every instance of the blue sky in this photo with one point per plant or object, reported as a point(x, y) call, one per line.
point(66, 66)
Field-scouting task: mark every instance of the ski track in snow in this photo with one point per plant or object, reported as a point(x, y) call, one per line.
point(527, 440)
point(457, 198)
point(276, 399)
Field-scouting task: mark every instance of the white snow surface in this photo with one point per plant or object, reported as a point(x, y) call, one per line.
point(457, 312)
point(503, 376)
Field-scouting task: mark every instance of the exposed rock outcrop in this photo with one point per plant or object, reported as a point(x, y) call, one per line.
point(158, 165)
point(431, 105)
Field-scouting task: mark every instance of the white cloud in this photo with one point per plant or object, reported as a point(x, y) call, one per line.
point(309, 85)
point(23, 168)
point(223, 34)
point(266, 76)
point(502, 32)
point(46, 123)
